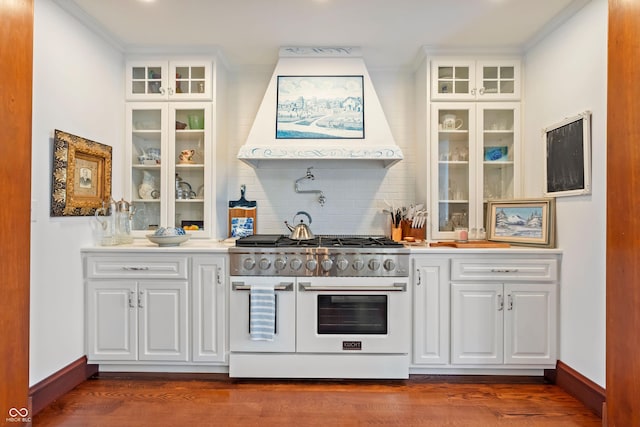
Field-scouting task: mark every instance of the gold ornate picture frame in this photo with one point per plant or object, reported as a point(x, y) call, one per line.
point(81, 178)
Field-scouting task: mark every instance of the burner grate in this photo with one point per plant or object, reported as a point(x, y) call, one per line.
point(350, 241)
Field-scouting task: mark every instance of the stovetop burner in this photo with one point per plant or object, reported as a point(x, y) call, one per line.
point(346, 241)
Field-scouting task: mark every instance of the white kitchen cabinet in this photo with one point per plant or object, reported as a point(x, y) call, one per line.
point(431, 310)
point(456, 79)
point(147, 307)
point(163, 80)
point(208, 314)
point(131, 320)
point(137, 307)
point(170, 166)
point(504, 311)
point(475, 154)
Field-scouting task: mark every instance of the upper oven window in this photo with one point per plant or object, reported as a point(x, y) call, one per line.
point(352, 314)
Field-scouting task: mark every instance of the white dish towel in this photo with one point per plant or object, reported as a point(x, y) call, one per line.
point(262, 314)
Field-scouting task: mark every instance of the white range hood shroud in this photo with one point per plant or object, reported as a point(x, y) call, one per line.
point(378, 145)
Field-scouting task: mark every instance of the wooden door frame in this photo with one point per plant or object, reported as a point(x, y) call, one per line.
point(16, 69)
point(623, 222)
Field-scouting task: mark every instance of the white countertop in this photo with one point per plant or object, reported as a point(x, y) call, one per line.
point(426, 249)
point(142, 245)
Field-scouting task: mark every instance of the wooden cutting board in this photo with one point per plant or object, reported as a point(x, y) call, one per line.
point(243, 216)
point(471, 244)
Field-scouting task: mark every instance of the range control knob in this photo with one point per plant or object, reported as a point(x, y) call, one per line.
point(342, 264)
point(374, 264)
point(326, 264)
point(264, 264)
point(358, 264)
point(249, 263)
point(280, 264)
point(296, 264)
point(389, 264)
point(312, 264)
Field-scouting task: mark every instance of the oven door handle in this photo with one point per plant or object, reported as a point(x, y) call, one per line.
point(396, 287)
point(283, 286)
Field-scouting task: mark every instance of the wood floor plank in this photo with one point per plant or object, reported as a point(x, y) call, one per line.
point(118, 400)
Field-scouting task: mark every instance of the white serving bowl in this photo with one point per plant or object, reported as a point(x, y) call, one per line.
point(168, 240)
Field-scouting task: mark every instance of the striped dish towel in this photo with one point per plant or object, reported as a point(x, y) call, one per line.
point(262, 313)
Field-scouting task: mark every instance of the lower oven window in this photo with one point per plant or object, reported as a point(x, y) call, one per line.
point(352, 314)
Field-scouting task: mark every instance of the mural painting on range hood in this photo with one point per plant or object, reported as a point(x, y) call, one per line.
point(378, 144)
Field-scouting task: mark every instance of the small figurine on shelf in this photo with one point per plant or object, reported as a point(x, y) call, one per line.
point(186, 156)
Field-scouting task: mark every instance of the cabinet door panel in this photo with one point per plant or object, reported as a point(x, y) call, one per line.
point(530, 320)
point(476, 323)
point(454, 152)
point(111, 320)
point(163, 320)
point(431, 312)
point(208, 313)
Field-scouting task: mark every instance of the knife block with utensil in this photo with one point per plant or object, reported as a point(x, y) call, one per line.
point(419, 233)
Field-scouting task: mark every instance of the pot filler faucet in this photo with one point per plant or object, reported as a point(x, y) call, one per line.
point(309, 175)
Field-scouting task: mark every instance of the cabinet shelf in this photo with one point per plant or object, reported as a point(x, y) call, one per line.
point(147, 200)
point(146, 167)
point(454, 131)
point(196, 200)
point(457, 201)
point(498, 162)
point(499, 131)
point(454, 162)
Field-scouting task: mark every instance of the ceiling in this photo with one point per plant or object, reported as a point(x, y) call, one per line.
point(390, 32)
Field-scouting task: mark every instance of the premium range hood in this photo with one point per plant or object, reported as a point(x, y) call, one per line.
point(344, 125)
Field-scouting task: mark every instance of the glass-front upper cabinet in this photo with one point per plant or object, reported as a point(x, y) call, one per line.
point(169, 165)
point(168, 80)
point(467, 80)
point(475, 157)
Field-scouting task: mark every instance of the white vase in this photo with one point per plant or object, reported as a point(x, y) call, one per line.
point(147, 190)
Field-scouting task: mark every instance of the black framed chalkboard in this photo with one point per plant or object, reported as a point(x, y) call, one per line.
point(568, 156)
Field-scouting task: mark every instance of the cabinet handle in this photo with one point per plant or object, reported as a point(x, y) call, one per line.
point(500, 302)
point(473, 91)
point(131, 296)
point(140, 294)
point(509, 302)
point(127, 268)
point(219, 279)
point(170, 91)
point(504, 270)
point(162, 91)
point(419, 278)
point(481, 91)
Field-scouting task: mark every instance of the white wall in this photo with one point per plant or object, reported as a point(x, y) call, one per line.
point(355, 196)
point(78, 87)
point(566, 75)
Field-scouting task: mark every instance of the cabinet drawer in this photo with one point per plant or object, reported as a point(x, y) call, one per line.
point(165, 267)
point(504, 269)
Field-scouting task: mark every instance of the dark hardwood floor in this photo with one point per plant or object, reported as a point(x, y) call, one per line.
point(215, 400)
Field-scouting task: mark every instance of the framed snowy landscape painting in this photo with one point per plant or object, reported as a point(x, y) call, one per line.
point(522, 222)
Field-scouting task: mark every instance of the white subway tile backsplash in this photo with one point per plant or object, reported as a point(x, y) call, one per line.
point(354, 195)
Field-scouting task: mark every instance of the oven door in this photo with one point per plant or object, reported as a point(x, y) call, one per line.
point(353, 315)
point(239, 308)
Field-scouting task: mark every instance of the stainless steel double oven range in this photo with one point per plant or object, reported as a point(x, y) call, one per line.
point(342, 307)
